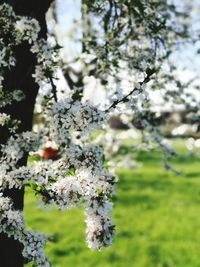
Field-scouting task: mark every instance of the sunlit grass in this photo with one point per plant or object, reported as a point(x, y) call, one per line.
point(157, 214)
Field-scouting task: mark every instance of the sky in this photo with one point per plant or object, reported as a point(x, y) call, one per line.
point(67, 12)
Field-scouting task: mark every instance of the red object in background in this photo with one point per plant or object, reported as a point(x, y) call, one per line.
point(50, 153)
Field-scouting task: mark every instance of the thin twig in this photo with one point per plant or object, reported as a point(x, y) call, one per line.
point(135, 89)
point(54, 89)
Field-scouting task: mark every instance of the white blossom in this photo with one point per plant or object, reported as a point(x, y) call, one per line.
point(26, 29)
point(4, 118)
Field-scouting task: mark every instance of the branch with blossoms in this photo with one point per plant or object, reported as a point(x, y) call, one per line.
point(136, 90)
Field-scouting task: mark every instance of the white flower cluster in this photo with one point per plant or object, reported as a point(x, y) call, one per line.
point(99, 225)
point(12, 224)
point(8, 16)
point(6, 98)
point(6, 58)
point(18, 145)
point(67, 188)
point(77, 175)
point(4, 118)
point(71, 116)
point(26, 29)
point(47, 59)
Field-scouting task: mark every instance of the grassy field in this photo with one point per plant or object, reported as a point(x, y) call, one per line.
point(157, 215)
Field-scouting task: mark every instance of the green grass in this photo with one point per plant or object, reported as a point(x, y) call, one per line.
point(157, 215)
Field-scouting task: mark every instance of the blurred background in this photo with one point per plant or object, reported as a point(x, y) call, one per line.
point(154, 147)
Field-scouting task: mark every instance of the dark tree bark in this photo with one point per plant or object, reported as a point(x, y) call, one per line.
point(21, 78)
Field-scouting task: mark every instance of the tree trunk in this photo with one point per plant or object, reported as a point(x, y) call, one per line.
point(21, 78)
